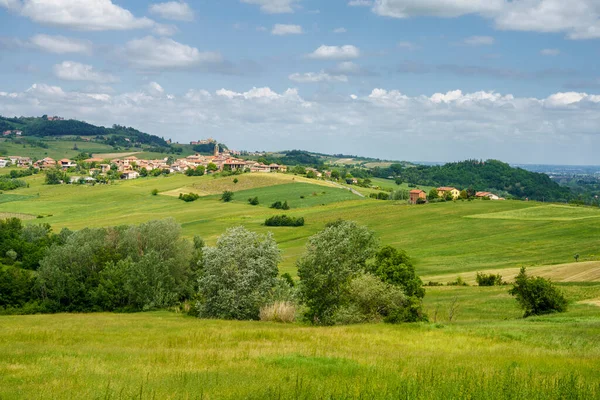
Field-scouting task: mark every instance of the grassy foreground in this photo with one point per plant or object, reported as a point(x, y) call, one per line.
point(488, 352)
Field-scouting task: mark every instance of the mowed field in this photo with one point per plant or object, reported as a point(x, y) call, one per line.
point(486, 352)
point(57, 149)
point(443, 238)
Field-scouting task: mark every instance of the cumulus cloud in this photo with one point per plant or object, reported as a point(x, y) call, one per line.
point(383, 123)
point(174, 10)
point(282, 29)
point(89, 15)
point(274, 6)
point(163, 53)
point(335, 52)
point(60, 44)
point(579, 19)
point(74, 71)
point(317, 77)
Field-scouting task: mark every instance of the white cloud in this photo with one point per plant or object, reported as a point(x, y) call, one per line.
point(281, 29)
point(11, 4)
point(165, 29)
point(60, 44)
point(163, 53)
point(335, 52)
point(579, 19)
point(360, 3)
point(316, 77)
point(89, 15)
point(550, 52)
point(74, 71)
point(435, 8)
point(174, 10)
point(340, 30)
point(384, 123)
point(479, 41)
point(274, 6)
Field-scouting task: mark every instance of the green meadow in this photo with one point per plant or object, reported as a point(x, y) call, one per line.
point(443, 238)
point(486, 352)
point(476, 344)
point(57, 150)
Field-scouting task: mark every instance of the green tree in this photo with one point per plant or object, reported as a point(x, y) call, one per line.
point(212, 167)
point(537, 295)
point(433, 194)
point(393, 266)
point(238, 275)
point(333, 258)
point(55, 176)
point(227, 196)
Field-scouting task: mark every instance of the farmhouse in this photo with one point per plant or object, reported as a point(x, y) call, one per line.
point(443, 190)
point(130, 174)
point(66, 163)
point(489, 195)
point(417, 194)
point(3, 162)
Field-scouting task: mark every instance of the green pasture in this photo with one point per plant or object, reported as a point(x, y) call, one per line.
point(486, 352)
point(57, 150)
point(298, 195)
point(551, 212)
point(440, 237)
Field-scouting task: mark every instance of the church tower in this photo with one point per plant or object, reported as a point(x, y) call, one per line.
point(216, 149)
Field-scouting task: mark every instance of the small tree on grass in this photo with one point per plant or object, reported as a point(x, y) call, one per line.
point(433, 194)
point(238, 275)
point(537, 295)
point(154, 191)
point(334, 257)
point(227, 196)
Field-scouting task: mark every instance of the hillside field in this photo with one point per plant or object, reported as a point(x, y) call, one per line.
point(486, 352)
point(443, 238)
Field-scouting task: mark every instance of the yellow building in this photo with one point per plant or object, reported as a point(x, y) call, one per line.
point(443, 190)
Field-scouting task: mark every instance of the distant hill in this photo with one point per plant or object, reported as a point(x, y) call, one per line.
point(489, 175)
point(43, 127)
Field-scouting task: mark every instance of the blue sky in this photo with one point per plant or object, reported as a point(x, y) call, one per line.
point(432, 80)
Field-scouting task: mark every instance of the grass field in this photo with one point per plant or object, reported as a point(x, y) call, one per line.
point(545, 213)
point(440, 237)
point(57, 149)
point(487, 352)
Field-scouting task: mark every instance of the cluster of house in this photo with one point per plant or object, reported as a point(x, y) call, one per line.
point(16, 133)
point(443, 191)
point(130, 167)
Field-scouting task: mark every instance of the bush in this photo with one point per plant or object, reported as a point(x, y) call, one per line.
point(537, 295)
point(253, 201)
point(489, 279)
point(395, 267)
point(238, 275)
point(16, 287)
point(154, 192)
point(278, 205)
point(458, 282)
point(227, 196)
point(188, 198)
point(281, 311)
point(284, 220)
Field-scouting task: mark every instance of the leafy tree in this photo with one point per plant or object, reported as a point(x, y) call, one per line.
point(463, 195)
point(311, 175)
point(188, 198)
point(55, 176)
point(433, 194)
point(537, 295)
point(212, 167)
point(238, 275)
point(235, 181)
point(335, 174)
point(333, 258)
point(398, 181)
point(253, 201)
point(393, 266)
point(227, 196)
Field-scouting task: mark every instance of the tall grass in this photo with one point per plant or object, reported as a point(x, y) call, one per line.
point(280, 311)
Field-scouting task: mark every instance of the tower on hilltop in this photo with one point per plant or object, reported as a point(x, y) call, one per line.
point(216, 149)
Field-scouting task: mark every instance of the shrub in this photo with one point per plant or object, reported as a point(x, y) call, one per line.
point(278, 205)
point(421, 201)
point(281, 311)
point(188, 198)
point(383, 196)
point(284, 220)
point(235, 180)
point(238, 275)
point(154, 192)
point(458, 282)
point(253, 201)
point(489, 279)
point(288, 279)
point(537, 295)
point(227, 196)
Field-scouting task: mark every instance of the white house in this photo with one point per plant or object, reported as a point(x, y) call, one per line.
point(3, 163)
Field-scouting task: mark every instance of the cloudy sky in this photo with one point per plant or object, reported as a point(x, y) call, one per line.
point(428, 80)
